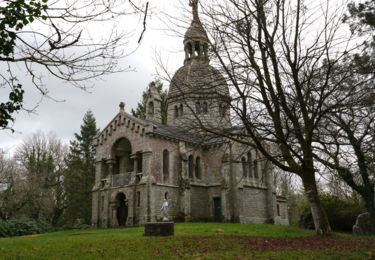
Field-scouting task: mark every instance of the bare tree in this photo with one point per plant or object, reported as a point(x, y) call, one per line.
point(42, 159)
point(11, 183)
point(75, 41)
point(279, 59)
point(346, 143)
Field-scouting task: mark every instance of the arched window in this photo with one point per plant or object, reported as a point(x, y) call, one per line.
point(175, 111)
point(181, 109)
point(249, 164)
point(191, 166)
point(165, 165)
point(198, 168)
point(255, 164)
point(244, 167)
point(121, 153)
point(198, 107)
point(205, 107)
point(150, 108)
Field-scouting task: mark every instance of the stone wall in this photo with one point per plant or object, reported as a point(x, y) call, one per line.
point(253, 205)
point(199, 203)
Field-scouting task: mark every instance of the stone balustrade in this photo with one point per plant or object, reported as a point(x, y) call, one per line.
point(121, 179)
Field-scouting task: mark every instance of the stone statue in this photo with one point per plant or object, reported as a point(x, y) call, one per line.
point(164, 210)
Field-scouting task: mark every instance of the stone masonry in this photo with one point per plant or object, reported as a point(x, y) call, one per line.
point(204, 178)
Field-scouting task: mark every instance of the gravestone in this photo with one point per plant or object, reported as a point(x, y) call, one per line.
point(363, 225)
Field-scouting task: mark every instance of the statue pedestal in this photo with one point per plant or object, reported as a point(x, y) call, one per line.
point(159, 229)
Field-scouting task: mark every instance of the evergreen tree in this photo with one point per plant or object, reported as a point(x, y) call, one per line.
point(361, 19)
point(140, 111)
point(80, 173)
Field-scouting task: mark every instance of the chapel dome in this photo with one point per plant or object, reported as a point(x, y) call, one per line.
point(195, 79)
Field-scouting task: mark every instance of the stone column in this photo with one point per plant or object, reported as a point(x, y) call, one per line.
point(185, 186)
point(225, 190)
point(95, 209)
point(132, 211)
point(201, 50)
point(232, 187)
point(98, 171)
point(110, 164)
point(134, 157)
point(148, 179)
point(112, 210)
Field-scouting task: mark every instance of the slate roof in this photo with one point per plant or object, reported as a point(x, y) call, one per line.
point(183, 135)
point(176, 132)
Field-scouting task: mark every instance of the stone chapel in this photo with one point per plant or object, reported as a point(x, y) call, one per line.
point(204, 178)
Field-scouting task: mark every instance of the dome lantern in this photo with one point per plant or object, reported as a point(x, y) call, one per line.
point(196, 40)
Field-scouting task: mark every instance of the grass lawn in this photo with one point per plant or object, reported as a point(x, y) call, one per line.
point(191, 241)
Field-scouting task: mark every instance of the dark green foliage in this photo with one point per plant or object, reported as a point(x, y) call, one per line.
point(80, 174)
point(12, 105)
point(361, 19)
point(140, 111)
point(20, 227)
point(41, 158)
point(362, 15)
point(341, 213)
point(14, 16)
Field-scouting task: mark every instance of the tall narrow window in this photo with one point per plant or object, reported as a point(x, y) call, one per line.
point(198, 168)
point(255, 164)
point(191, 166)
point(181, 109)
point(175, 111)
point(278, 210)
point(165, 165)
point(205, 107)
point(140, 162)
point(150, 108)
point(249, 166)
point(138, 198)
point(198, 107)
point(244, 167)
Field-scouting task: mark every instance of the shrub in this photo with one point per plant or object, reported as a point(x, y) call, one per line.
point(20, 227)
point(341, 213)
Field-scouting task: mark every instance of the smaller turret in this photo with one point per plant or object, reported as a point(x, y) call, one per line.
point(153, 104)
point(196, 40)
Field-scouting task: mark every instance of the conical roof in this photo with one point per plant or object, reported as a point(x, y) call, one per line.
point(196, 31)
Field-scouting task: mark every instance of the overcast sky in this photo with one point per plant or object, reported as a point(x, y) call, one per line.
point(64, 118)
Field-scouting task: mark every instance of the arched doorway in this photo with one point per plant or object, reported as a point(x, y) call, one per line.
point(122, 209)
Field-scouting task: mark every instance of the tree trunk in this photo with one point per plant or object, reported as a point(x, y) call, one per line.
point(370, 206)
point(321, 223)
